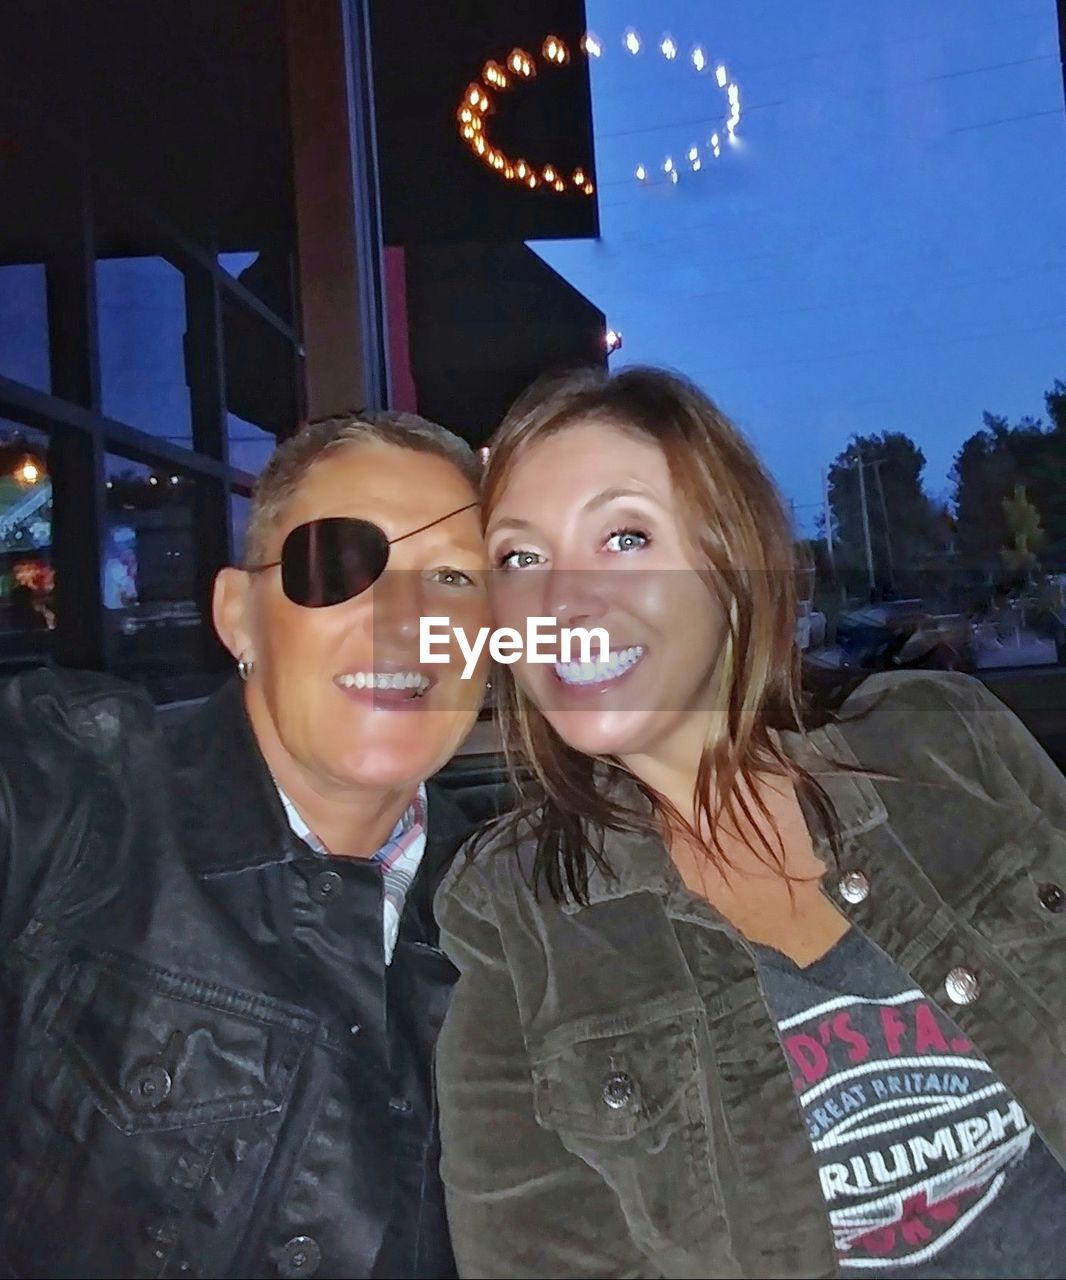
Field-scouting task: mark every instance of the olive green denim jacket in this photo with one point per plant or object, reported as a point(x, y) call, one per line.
point(707, 1170)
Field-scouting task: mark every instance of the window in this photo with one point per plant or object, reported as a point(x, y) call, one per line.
point(24, 324)
point(149, 578)
point(27, 617)
point(142, 326)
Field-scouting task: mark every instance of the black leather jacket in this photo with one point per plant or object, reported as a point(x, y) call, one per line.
point(197, 1078)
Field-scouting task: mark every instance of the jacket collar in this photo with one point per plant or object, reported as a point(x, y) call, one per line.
point(640, 863)
point(229, 813)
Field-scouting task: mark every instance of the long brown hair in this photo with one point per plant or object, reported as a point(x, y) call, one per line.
point(738, 523)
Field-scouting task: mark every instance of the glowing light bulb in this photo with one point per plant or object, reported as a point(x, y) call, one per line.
point(693, 153)
point(588, 188)
point(549, 173)
point(28, 471)
point(483, 103)
point(468, 132)
point(721, 75)
point(673, 177)
point(668, 165)
point(631, 41)
point(591, 45)
point(559, 184)
point(153, 479)
point(642, 173)
point(555, 51)
point(473, 95)
point(480, 144)
point(466, 115)
point(668, 48)
point(699, 58)
point(697, 165)
point(532, 181)
point(579, 178)
point(612, 340)
point(522, 169)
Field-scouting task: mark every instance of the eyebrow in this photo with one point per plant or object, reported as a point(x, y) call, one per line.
point(593, 504)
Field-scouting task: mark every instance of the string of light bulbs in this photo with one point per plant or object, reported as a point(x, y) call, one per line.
point(520, 65)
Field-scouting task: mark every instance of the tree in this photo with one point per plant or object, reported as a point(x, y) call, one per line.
point(989, 466)
point(907, 532)
point(1027, 537)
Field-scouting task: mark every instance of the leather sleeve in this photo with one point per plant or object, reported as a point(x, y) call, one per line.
point(59, 732)
point(519, 1203)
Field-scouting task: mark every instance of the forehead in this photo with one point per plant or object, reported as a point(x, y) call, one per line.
point(582, 460)
point(396, 488)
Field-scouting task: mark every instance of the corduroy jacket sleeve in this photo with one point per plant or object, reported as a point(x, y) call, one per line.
point(519, 1203)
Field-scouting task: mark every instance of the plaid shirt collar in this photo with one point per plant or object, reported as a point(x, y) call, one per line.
point(399, 857)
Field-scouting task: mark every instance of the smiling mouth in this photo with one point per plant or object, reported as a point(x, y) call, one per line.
point(413, 684)
point(589, 673)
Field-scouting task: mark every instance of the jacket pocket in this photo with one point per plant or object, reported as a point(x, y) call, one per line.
point(151, 1109)
point(627, 1094)
point(160, 1052)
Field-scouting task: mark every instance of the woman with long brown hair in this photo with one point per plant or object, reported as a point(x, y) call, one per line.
point(739, 996)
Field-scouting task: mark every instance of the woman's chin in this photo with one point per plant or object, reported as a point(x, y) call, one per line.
point(602, 732)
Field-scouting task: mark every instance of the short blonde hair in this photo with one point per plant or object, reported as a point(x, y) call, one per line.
point(295, 457)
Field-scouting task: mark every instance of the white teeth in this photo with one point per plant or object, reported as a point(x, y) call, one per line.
point(384, 680)
point(599, 672)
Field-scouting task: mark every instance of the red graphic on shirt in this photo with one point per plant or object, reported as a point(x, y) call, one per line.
point(913, 1134)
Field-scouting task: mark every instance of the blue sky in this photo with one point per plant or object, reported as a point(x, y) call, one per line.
point(884, 249)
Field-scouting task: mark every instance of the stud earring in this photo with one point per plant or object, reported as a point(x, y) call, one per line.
point(245, 667)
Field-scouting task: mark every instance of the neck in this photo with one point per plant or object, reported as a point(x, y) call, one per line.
point(352, 822)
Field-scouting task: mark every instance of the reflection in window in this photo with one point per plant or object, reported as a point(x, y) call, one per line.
point(149, 581)
point(141, 308)
point(260, 387)
point(250, 446)
point(24, 325)
point(267, 274)
point(27, 584)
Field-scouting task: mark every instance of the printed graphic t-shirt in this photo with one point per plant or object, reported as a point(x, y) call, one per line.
point(928, 1165)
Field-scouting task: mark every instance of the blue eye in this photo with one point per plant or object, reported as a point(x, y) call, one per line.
point(519, 560)
point(626, 540)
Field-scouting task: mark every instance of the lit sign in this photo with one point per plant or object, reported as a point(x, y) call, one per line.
point(498, 78)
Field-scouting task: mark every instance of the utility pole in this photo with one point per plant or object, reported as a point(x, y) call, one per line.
point(828, 522)
point(865, 517)
point(884, 517)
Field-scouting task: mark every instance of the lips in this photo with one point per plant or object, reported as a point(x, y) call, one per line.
point(404, 690)
point(587, 675)
point(415, 681)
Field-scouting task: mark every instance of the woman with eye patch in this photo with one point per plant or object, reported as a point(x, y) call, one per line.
point(741, 993)
point(221, 974)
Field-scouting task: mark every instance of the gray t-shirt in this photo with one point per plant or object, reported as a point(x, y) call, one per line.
point(929, 1167)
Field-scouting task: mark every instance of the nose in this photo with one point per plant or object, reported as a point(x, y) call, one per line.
point(575, 597)
point(397, 606)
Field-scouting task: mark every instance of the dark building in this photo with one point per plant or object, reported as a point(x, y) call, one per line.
point(192, 259)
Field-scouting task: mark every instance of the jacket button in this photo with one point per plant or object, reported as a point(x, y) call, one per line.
point(961, 986)
point(300, 1257)
point(148, 1086)
point(1052, 898)
point(617, 1089)
point(854, 887)
point(326, 886)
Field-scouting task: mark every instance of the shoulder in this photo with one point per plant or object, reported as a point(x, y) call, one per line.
point(490, 872)
point(79, 710)
point(945, 724)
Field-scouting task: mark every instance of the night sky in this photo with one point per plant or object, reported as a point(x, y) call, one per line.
point(883, 249)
